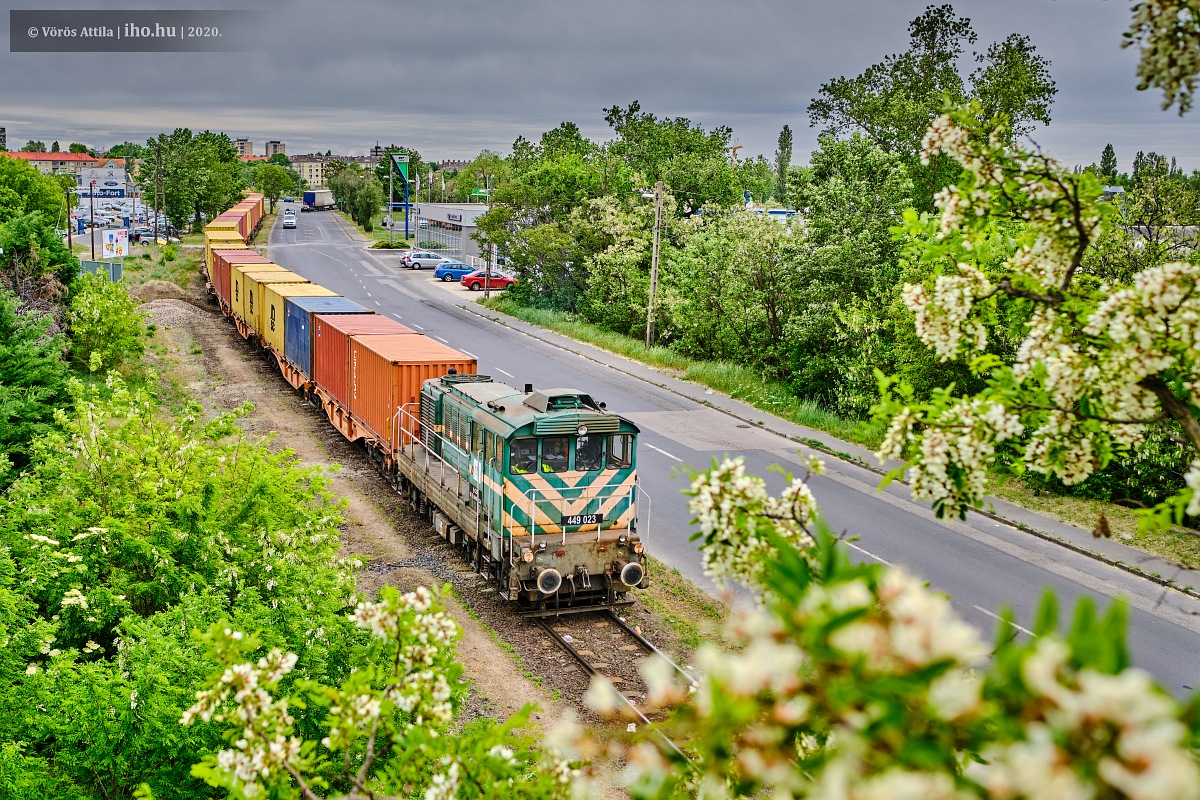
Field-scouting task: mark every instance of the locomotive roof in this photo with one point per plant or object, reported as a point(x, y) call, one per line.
point(552, 411)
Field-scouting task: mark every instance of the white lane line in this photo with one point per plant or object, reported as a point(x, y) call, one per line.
point(999, 618)
point(502, 372)
point(418, 327)
point(867, 553)
point(440, 339)
point(368, 294)
point(376, 302)
point(472, 355)
point(656, 449)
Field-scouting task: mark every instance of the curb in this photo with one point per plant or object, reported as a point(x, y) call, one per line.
point(816, 444)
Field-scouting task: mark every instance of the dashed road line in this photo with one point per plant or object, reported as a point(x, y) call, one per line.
point(999, 618)
point(867, 553)
point(440, 339)
point(502, 372)
point(657, 449)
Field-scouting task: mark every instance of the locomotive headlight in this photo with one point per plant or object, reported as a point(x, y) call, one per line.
point(622, 539)
point(582, 431)
point(637, 548)
point(632, 573)
point(527, 556)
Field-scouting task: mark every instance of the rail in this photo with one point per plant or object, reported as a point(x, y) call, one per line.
point(646, 643)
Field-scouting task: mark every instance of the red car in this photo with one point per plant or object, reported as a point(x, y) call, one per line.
point(496, 280)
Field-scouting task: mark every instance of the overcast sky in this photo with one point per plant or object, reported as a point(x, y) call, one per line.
point(451, 77)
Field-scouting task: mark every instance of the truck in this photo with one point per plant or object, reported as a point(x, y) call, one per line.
point(318, 200)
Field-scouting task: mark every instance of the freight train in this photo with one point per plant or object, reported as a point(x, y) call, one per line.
point(538, 487)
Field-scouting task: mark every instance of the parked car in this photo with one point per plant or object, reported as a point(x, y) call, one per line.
point(496, 280)
point(424, 259)
point(452, 271)
point(289, 220)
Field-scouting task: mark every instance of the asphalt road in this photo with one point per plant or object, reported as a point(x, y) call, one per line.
point(981, 564)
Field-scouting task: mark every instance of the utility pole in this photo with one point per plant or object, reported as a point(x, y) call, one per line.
point(157, 181)
point(67, 199)
point(391, 169)
point(92, 227)
point(658, 201)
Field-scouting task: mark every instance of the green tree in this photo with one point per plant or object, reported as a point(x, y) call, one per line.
point(33, 379)
point(1108, 162)
point(76, 147)
point(34, 146)
point(894, 101)
point(24, 190)
point(783, 162)
point(33, 251)
point(201, 175)
point(273, 181)
point(54, 148)
point(279, 159)
point(106, 327)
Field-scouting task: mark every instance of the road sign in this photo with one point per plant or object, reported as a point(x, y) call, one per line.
point(116, 243)
point(401, 162)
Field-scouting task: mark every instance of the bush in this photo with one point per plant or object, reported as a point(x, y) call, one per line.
point(106, 326)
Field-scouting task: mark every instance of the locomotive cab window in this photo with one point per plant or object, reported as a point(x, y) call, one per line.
point(589, 453)
point(555, 451)
point(522, 456)
point(620, 451)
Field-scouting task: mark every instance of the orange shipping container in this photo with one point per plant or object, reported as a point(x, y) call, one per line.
point(331, 347)
point(386, 373)
point(274, 308)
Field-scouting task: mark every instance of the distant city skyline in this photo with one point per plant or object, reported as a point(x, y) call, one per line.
point(476, 75)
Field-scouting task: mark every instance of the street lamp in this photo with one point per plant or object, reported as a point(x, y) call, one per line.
point(658, 201)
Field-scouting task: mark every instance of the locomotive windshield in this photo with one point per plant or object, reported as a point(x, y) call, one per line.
point(552, 454)
point(589, 453)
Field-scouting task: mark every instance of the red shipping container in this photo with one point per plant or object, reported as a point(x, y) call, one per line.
point(331, 347)
point(221, 259)
point(386, 374)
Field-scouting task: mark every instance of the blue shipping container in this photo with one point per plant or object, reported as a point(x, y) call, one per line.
point(297, 335)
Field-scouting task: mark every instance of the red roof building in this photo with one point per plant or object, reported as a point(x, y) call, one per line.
point(66, 162)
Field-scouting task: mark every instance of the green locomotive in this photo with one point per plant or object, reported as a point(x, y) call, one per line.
point(540, 487)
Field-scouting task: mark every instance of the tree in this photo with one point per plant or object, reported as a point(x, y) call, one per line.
point(894, 101)
point(273, 181)
point(34, 146)
point(201, 175)
point(33, 253)
point(54, 148)
point(1108, 162)
point(24, 190)
point(106, 327)
point(33, 379)
point(1167, 33)
point(385, 164)
point(783, 162)
point(279, 159)
point(76, 147)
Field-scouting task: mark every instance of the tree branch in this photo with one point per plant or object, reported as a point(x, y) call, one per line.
point(1175, 408)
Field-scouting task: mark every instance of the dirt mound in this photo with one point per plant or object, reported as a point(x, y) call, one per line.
point(160, 290)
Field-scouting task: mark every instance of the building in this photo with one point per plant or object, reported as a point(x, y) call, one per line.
point(453, 165)
point(245, 147)
point(377, 151)
point(311, 168)
point(3, 140)
point(66, 163)
point(275, 146)
point(447, 229)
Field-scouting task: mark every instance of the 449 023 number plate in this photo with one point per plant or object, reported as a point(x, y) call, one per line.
point(581, 519)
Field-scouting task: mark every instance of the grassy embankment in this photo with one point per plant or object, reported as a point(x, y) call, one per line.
point(1178, 545)
point(379, 234)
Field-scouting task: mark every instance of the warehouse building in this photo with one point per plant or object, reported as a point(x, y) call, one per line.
point(447, 229)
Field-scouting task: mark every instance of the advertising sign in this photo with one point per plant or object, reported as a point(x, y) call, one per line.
point(116, 243)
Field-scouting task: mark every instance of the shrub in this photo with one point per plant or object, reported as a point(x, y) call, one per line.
point(106, 326)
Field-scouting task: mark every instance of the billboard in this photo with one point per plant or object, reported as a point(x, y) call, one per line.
point(116, 243)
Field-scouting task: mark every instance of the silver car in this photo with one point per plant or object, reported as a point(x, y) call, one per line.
point(423, 259)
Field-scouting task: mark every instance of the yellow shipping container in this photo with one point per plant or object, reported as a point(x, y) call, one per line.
point(208, 251)
point(239, 285)
point(220, 240)
point(253, 293)
point(274, 312)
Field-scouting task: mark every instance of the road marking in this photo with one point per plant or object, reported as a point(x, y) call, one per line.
point(418, 327)
point(999, 618)
point(376, 302)
point(502, 372)
point(472, 355)
point(867, 553)
point(368, 294)
point(440, 339)
point(656, 449)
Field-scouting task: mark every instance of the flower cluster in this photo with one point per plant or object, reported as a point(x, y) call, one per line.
point(265, 744)
point(737, 517)
point(955, 447)
point(943, 317)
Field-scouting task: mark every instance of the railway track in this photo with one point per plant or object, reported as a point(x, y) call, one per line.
point(591, 641)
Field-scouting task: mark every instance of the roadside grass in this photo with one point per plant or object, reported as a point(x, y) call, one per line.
point(735, 380)
point(174, 263)
point(1177, 545)
point(380, 234)
point(694, 616)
